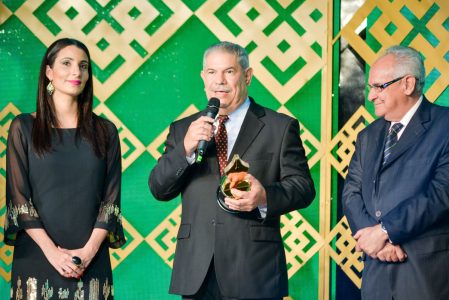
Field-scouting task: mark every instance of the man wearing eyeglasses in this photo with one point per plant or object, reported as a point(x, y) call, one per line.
point(396, 194)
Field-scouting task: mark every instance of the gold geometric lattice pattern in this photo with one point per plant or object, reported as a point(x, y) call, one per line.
point(163, 238)
point(423, 25)
point(301, 241)
point(130, 146)
point(312, 146)
point(9, 112)
point(5, 13)
point(154, 147)
point(344, 253)
point(345, 140)
point(133, 239)
point(6, 252)
point(120, 40)
point(282, 58)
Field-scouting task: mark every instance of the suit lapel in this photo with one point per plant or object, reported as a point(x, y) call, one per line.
point(250, 129)
point(379, 144)
point(412, 132)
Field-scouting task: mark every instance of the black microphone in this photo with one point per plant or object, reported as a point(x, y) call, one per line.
point(211, 111)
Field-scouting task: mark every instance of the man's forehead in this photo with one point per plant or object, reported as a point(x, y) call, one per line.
point(382, 68)
point(221, 59)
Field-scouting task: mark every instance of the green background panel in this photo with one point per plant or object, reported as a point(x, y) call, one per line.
point(167, 81)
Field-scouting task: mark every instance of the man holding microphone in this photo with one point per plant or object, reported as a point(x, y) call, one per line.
point(232, 251)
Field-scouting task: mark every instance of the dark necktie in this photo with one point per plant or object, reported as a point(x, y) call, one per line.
point(221, 141)
point(392, 139)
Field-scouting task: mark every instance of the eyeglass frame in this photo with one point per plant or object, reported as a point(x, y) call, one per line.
point(379, 87)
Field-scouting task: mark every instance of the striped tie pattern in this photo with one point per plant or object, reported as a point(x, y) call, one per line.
point(221, 141)
point(392, 139)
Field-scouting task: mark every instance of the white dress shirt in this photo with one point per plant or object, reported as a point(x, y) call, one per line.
point(407, 117)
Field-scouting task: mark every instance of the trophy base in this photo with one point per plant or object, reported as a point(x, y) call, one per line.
point(222, 204)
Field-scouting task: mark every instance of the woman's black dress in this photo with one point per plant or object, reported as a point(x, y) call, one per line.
point(68, 191)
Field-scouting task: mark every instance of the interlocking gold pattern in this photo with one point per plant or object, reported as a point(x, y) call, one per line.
point(133, 241)
point(309, 141)
point(6, 116)
point(268, 46)
point(119, 44)
point(6, 252)
point(130, 146)
point(392, 14)
point(301, 241)
point(163, 238)
point(345, 139)
point(344, 252)
point(160, 139)
point(5, 13)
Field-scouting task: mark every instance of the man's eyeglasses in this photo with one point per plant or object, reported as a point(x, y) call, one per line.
point(379, 87)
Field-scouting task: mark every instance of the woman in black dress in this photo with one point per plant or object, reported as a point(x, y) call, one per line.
point(63, 186)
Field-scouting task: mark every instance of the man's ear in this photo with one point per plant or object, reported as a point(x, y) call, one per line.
point(410, 85)
point(248, 75)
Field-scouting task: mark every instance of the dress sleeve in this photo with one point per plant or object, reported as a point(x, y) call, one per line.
point(109, 216)
point(20, 211)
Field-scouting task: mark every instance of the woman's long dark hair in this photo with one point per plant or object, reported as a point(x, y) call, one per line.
point(89, 127)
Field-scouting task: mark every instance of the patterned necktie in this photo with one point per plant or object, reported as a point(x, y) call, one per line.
point(392, 139)
point(221, 141)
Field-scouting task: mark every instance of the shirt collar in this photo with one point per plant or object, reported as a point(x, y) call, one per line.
point(240, 112)
point(408, 116)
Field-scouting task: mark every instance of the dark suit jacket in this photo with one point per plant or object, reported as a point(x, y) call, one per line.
point(410, 196)
point(248, 252)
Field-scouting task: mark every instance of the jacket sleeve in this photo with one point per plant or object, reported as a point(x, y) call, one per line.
point(168, 177)
point(353, 202)
point(295, 188)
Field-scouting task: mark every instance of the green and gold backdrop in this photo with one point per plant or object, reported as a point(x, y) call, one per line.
point(147, 56)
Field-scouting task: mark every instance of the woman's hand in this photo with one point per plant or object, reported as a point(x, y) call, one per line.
point(86, 255)
point(88, 252)
point(62, 262)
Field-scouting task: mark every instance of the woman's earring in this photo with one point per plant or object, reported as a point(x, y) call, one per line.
point(50, 88)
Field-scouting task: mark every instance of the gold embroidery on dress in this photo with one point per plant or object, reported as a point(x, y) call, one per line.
point(31, 288)
point(110, 209)
point(23, 209)
point(19, 292)
point(94, 289)
point(79, 293)
point(47, 291)
point(63, 294)
point(106, 289)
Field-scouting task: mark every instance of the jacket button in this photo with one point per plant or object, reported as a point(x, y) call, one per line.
point(179, 172)
point(378, 213)
point(213, 222)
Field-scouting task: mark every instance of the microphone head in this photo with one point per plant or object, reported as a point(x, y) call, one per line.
point(213, 105)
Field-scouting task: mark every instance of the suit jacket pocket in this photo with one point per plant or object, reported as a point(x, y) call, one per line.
point(184, 231)
point(264, 234)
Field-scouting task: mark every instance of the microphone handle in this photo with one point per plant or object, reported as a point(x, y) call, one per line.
point(202, 145)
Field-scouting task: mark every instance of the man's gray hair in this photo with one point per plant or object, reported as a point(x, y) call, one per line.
point(408, 61)
point(237, 50)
